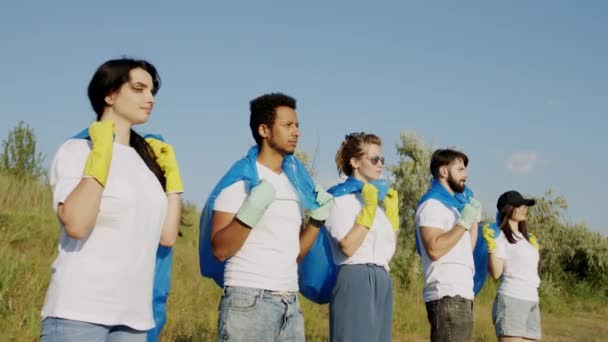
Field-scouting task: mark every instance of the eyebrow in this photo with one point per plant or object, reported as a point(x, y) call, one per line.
point(138, 84)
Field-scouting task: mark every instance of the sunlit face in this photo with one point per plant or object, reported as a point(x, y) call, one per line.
point(285, 131)
point(457, 175)
point(369, 167)
point(520, 213)
point(134, 100)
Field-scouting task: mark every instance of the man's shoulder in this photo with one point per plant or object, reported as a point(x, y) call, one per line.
point(434, 206)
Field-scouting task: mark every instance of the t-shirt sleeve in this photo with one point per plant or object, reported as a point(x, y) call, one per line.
point(501, 250)
point(231, 198)
point(341, 218)
point(66, 169)
point(432, 214)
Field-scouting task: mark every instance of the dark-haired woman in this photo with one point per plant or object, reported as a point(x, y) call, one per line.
point(513, 257)
point(364, 234)
point(117, 196)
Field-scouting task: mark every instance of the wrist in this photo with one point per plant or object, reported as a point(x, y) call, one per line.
point(315, 223)
point(464, 224)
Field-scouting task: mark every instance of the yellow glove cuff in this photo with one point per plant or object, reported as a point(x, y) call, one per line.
point(366, 217)
point(100, 157)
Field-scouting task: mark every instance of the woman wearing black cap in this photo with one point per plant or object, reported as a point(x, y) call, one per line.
point(513, 257)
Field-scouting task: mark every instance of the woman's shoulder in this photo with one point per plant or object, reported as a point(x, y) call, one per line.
point(72, 149)
point(74, 146)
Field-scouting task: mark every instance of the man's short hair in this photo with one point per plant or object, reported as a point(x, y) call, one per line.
point(443, 157)
point(263, 111)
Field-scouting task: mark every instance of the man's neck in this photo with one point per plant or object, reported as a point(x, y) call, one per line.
point(445, 184)
point(271, 158)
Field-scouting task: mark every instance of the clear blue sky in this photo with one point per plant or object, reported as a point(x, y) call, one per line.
point(520, 86)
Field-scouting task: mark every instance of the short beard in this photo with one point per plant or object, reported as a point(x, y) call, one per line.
point(457, 188)
point(279, 149)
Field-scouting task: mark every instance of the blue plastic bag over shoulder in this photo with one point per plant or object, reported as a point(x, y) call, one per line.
point(317, 272)
point(246, 170)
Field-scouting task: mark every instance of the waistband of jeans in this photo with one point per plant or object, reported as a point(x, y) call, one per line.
point(372, 265)
point(260, 292)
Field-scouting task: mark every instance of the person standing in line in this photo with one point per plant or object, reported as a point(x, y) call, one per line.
point(364, 241)
point(117, 196)
point(446, 225)
point(513, 258)
point(257, 229)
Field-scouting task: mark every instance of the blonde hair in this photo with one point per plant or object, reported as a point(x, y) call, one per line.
point(352, 147)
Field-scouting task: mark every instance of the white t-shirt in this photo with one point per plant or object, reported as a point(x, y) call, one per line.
point(379, 244)
point(107, 277)
point(268, 259)
point(453, 273)
point(520, 268)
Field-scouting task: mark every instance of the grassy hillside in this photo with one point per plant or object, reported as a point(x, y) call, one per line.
point(28, 245)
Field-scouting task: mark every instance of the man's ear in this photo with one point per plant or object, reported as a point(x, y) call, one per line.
point(264, 130)
point(443, 171)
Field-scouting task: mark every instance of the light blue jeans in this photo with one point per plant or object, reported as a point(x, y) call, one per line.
point(66, 330)
point(248, 314)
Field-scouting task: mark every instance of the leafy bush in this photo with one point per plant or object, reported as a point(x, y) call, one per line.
point(19, 156)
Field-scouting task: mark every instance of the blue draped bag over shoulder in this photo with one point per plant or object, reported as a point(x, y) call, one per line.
point(480, 256)
point(162, 271)
point(246, 170)
point(317, 272)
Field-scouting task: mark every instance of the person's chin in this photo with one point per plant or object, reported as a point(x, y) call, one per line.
point(140, 120)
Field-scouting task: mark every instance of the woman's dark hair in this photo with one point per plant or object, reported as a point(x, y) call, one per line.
point(352, 147)
point(503, 215)
point(443, 157)
point(263, 111)
point(108, 78)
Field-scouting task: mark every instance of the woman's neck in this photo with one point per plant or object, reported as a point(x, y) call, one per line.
point(122, 128)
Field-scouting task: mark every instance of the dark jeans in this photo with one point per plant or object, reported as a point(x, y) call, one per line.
point(451, 319)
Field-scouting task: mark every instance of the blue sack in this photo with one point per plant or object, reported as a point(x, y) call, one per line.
point(162, 284)
point(245, 169)
point(162, 272)
point(317, 272)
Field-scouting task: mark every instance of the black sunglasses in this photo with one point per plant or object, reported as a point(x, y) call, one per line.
point(375, 159)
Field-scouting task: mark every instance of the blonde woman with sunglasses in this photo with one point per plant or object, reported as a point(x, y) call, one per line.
point(363, 224)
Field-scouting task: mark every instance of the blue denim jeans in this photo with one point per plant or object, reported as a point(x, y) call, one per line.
point(66, 330)
point(248, 314)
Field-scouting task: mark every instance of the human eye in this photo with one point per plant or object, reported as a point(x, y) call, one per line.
point(136, 87)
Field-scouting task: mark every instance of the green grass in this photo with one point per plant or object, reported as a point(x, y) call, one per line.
point(28, 245)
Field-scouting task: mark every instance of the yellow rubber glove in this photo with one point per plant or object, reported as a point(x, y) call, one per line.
point(165, 157)
point(100, 157)
point(533, 241)
point(370, 203)
point(488, 234)
point(391, 208)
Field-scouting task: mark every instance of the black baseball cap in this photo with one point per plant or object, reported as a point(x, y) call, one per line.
point(513, 198)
